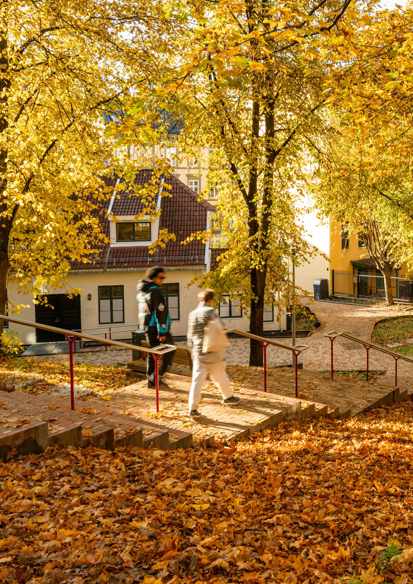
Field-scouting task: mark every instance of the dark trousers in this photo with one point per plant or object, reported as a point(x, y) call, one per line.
point(166, 360)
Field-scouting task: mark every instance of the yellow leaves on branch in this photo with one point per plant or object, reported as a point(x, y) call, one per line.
point(66, 68)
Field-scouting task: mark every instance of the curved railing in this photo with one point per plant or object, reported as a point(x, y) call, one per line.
point(295, 350)
point(71, 336)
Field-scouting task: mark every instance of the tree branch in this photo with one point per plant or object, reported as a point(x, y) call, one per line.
point(395, 202)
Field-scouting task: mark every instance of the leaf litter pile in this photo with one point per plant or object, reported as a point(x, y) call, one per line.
point(330, 501)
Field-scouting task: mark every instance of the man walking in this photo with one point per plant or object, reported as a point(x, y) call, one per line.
point(207, 360)
point(154, 319)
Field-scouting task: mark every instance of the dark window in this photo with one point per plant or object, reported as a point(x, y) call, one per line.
point(138, 231)
point(171, 293)
point(111, 304)
point(345, 238)
point(269, 312)
point(230, 308)
point(362, 241)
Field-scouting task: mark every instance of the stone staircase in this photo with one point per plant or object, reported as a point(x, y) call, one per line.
point(31, 423)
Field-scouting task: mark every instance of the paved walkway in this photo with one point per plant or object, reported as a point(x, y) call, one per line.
point(358, 321)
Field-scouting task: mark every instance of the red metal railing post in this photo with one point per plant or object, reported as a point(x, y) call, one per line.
point(72, 345)
point(332, 358)
point(110, 333)
point(156, 359)
point(265, 364)
point(367, 362)
point(106, 346)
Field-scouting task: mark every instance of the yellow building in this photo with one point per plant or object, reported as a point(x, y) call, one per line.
point(353, 272)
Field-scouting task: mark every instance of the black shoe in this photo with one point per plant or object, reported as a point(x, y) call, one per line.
point(151, 384)
point(194, 414)
point(231, 401)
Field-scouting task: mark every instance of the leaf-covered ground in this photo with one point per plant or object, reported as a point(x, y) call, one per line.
point(311, 503)
point(37, 375)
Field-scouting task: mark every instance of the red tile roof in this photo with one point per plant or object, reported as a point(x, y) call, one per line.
point(181, 214)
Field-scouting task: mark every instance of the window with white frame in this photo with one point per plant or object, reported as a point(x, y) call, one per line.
point(171, 295)
point(269, 312)
point(230, 307)
point(133, 231)
point(213, 194)
point(194, 183)
point(111, 304)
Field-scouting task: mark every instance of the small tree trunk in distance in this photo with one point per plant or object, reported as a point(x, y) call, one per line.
point(388, 290)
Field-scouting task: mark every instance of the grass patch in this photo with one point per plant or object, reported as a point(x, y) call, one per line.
point(391, 551)
point(393, 330)
point(406, 350)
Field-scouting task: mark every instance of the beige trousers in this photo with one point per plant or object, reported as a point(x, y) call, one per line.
point(200, 372)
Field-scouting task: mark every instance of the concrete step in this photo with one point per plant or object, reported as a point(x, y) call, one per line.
point(132, 438)
point(28, 438)
point(321, 410)
point(128, 432)
point(156, 439)
point(65, 434)
point(332, 413)
point(404, 395)
point(307, 411)
point(96, 432)
point(180, 439)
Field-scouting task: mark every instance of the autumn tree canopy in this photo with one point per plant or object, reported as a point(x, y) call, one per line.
point(249, 78)
point(364, 172)
point(63, 66)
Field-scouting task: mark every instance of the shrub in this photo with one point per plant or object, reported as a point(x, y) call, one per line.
point(10, 344)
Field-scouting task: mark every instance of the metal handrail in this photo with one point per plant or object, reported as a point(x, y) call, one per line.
point(368, 344)
point(160, 350)
point(296, 350)
point(292, 349)
point(332, 335)
point(155, 352)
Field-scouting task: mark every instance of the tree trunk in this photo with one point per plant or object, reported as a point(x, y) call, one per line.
point(257, 293)
point(5, 219)
point(388, 290)
point(4, 268)
point(257, 316)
